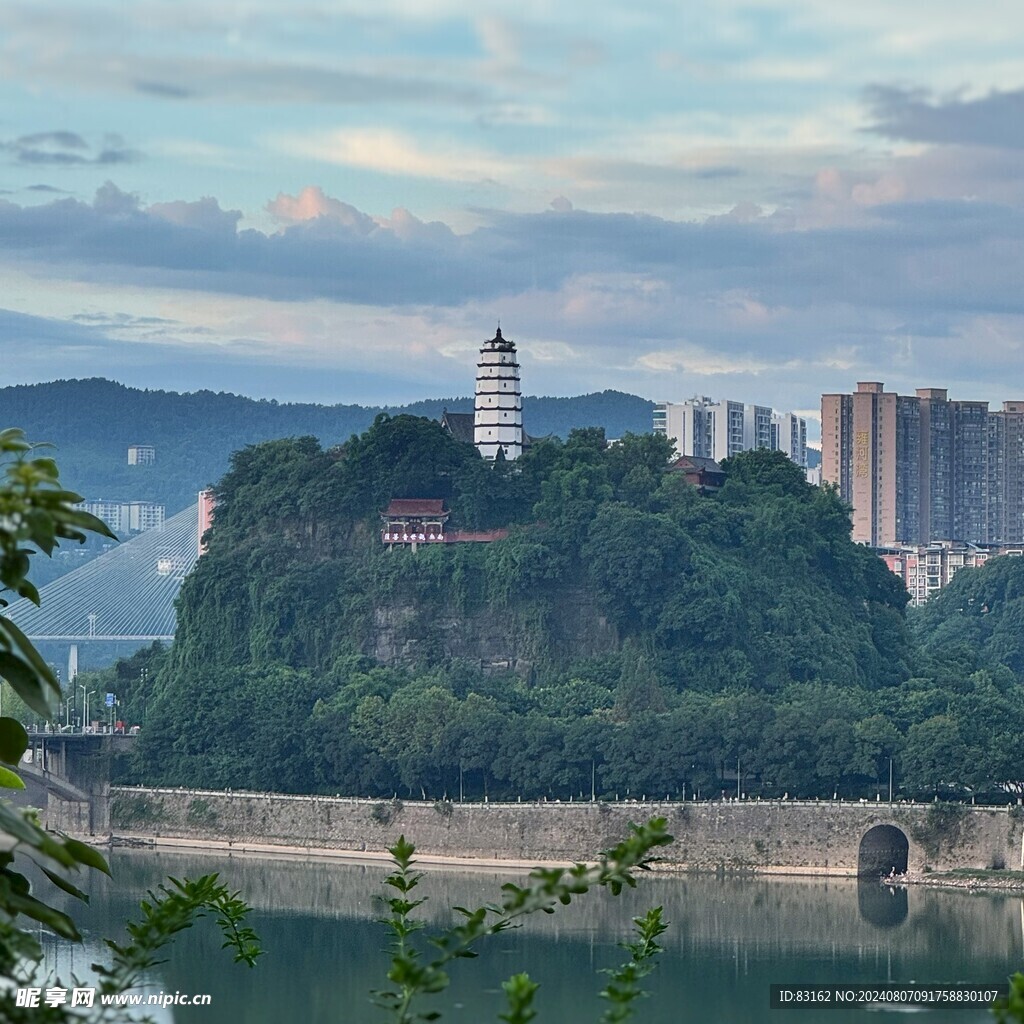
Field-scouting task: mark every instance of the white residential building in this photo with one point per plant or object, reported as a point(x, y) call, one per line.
point(757, 427)
point(707, 429)
point(141, 455)
point(789, 435)
point(702, 427)
point(126, 516)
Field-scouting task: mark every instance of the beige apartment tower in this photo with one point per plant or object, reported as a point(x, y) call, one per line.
point(925, 468)
point(870, 443)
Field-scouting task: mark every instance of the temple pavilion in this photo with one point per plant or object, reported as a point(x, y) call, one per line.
point(414, 521)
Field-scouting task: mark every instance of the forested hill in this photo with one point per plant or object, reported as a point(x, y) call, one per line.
point(977, 622)
point(92, 422)
point(629, 633)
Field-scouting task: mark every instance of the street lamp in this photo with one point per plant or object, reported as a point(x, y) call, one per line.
point(86, 694)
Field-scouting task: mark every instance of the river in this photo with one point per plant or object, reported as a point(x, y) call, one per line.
point(729, 939)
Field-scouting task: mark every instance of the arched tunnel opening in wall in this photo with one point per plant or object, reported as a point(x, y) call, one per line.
point(883, 851)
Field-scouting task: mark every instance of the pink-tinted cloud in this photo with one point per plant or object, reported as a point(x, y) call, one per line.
point(312, 203)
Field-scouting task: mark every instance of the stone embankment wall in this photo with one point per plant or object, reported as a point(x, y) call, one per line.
point(793, 837)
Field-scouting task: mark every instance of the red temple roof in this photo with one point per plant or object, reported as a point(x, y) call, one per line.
point(416, 507)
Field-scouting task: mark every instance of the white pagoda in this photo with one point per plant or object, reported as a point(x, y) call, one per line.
point(498, 408)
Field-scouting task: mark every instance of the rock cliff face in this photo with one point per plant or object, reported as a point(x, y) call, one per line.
point(516, 638)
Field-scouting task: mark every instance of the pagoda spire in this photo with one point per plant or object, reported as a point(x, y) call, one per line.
point(498, 406)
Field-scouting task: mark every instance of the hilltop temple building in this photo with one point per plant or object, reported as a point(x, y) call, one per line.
point(495, 426)
point(498, 408)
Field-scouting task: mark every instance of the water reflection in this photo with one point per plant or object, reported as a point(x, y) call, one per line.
point(884, 906)
point(729, 940)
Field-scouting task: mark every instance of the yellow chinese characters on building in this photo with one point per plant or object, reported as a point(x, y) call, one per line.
point(861, 452)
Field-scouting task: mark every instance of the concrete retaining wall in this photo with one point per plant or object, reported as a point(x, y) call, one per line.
point(793, 837)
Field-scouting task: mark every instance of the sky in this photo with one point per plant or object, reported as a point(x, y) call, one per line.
point(337, 202)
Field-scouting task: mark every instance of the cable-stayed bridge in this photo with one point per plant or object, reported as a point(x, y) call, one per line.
point(126, 594)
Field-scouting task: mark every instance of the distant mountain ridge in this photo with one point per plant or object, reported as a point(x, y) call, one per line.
point(91, 422)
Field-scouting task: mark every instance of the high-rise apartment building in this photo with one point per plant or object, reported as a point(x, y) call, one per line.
point(925, 468)
point(1006, 472)
point(870, 442)
point(697, 427)
point(141, 515)
point(707, 429)
point(141, 455)
point(757, 427)
point(126, 516)
point(789, 434)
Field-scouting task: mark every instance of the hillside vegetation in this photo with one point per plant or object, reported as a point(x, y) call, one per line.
point(92, 422)
point(742, 629)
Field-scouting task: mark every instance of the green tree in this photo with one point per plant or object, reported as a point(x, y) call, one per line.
point(639, 690)
point(878, 742)
point(765, 471)
point(633, 557)
point(402, 457)
point(471, 737)
point(636, 465)
point(935, 757)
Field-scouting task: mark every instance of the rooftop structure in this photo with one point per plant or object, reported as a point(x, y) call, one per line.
point(705, 474)
point(460, 425)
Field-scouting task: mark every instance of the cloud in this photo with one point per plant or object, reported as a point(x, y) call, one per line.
point(184, 78)
point(743, 305)
point(916, 115)
point(940, 255)
point(67, 149)
point(312, 203)
point(163, 90)
point(692, 359)
point(334, 254)
point(122, 321)
point(391, 152)
point(65, 140)
point(324, 215)
point(203, 215)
